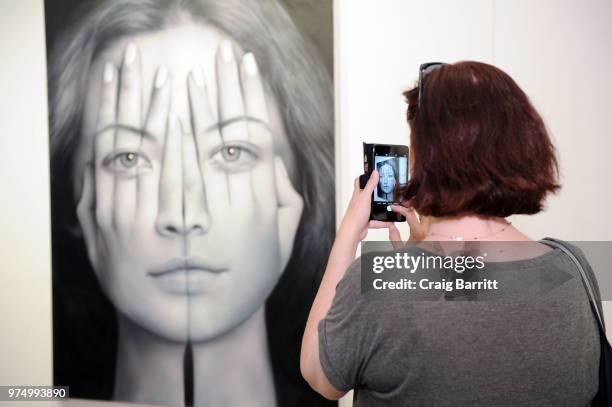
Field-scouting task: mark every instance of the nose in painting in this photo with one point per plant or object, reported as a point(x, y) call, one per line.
point(183, 207)
point(196, 215)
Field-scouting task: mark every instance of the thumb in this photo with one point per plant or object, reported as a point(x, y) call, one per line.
point(372, 182)
point(416, 228)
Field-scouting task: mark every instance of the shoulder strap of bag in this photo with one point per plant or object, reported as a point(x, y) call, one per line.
point(585, 280)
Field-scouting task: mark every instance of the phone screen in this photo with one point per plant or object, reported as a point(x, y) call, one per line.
point(391, 162)
point(392, 174)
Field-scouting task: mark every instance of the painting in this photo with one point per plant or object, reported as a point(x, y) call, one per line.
point(192, 192)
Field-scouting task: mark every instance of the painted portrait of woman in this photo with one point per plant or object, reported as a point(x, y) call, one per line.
point(192, 201)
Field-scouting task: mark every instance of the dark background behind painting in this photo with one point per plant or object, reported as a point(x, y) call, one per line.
point(84, 358)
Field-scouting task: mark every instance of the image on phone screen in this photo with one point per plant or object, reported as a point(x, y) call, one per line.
point(392, 173)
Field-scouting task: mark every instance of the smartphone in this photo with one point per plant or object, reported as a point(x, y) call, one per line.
point(391, 161)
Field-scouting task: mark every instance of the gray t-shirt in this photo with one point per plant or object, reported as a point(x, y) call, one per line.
point(395, 350)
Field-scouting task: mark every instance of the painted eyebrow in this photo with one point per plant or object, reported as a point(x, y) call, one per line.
point(151, 136)
point(129, 128)
point(236, 119)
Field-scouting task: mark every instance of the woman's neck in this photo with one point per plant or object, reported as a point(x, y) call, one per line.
point(149, 369)
point(235, 369)
point(471, 227)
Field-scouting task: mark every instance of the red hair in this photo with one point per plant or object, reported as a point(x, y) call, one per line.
point(478, 145)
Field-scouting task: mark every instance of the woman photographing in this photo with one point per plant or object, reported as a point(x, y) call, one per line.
point(479, 153)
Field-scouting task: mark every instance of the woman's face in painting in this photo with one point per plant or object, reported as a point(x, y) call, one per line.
point(191, 215)
point(387, 178)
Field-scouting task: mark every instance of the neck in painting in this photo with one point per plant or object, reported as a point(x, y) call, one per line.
point(149, 368)
point(235, 368)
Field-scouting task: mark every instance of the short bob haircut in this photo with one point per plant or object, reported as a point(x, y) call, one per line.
point(478, 145)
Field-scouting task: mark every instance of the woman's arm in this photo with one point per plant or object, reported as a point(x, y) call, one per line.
point(341, 256)
point(353, 229)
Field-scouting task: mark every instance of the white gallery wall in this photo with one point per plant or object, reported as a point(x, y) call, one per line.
point(25, 241)
point(558, 51)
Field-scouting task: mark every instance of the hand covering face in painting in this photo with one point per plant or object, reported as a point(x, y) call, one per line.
point(191, 186)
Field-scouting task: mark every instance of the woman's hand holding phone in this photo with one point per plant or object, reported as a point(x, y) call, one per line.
point(418, 227)
point(356, 221)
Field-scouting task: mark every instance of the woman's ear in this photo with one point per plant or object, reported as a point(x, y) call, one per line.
point(69, 185)
point(85, 214)
point(77, 176)
point(290, 208)
point(74, 230)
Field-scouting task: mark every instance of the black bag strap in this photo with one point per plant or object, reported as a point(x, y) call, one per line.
point(585, 280)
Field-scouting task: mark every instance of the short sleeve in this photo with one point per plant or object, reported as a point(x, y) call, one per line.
point(579, 253)
point(343, 338)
